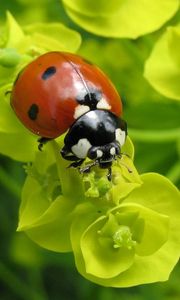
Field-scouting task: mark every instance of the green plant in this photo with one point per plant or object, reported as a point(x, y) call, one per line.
point(118, 231)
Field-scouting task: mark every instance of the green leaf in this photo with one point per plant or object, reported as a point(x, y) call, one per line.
point(9, 57)
point(40, 37)
point(159, 194)
point(161, 68)
point(49, 203)
point(14, 32)
point(18, 146)
point(174, 43)
point(46, 215)
point(129, 19)
point(9, 123)
point(67, 175)
point(51, 229)
point(164, 118)
point(92, 8)
point(53, 37)
point(15, 140)
point(128, 148)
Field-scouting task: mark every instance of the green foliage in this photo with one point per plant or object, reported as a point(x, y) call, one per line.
point(129, 19)
point(122, 233)
point(9, 57)
point(162, 68)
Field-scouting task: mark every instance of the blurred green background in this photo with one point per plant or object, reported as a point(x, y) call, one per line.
point(30, 272)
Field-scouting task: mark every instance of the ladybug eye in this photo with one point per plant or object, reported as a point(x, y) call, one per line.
point(94, 153)
point(117, 148)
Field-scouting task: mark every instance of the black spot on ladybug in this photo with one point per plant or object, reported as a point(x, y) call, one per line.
point(33, 112)
point(90, 99)
point(48, 73)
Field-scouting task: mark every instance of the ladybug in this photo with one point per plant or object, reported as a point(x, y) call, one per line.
point(59, 92)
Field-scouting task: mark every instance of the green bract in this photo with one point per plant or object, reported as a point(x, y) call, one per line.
point(162, 68)
point(134, 243)
point(122, 18)
point(119, 231)
point(9, 57)
point(18, 47)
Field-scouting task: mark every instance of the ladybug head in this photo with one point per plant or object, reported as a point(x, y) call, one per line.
point(104, 155)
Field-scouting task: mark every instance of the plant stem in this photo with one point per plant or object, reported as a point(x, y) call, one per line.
point(174, 172)
point(16, 285)
point(134, 51)
point(10, 184)
point(158, 136)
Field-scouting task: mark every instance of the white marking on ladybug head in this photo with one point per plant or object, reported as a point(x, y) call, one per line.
point(103, 104)
point(120, 136)
point(80, 110)
point(81, 148)
point(113, 151)
point(99, 153)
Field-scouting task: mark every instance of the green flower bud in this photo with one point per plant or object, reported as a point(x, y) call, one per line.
point(123, 238)
point(9, 57)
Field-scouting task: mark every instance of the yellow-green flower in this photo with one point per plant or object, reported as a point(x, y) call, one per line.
point(121, 18)
point(162, 68)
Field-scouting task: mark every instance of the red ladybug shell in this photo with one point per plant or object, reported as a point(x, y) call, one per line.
point(57, 88)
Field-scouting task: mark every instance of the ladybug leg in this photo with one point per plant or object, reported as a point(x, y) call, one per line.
point(42, 141)
point(88, 167)
point(125, 154)
point(76, 164)
point(66, 154)
point(76, 161)
point(109, 174)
